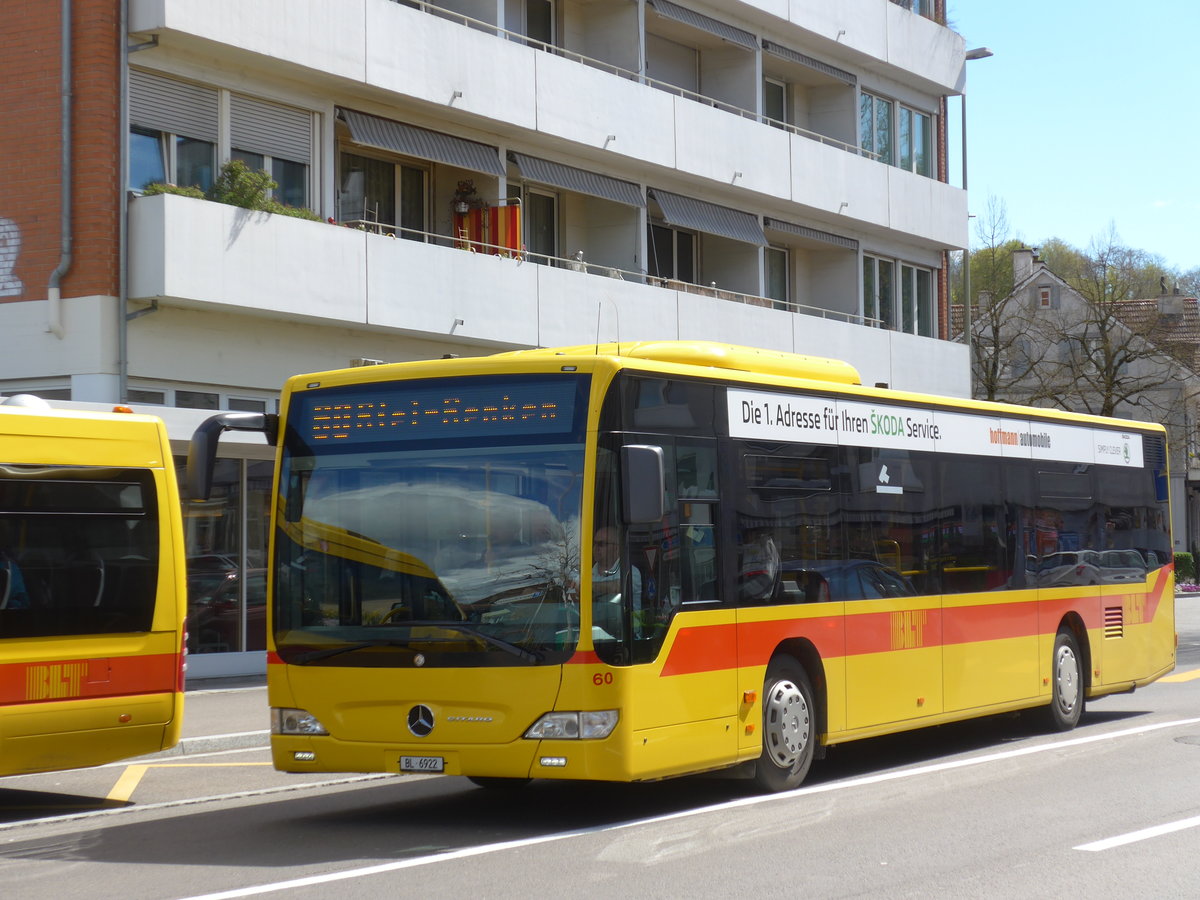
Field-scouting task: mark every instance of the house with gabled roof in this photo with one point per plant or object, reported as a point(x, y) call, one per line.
point(1046, 344)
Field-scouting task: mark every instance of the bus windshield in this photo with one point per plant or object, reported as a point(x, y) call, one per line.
point(434, 543)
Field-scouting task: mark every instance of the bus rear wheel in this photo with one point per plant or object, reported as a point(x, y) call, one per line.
point(789, 729)
point(1066, 679)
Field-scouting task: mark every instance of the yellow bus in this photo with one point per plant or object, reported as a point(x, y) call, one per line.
point(639, 561)
point(92, 597)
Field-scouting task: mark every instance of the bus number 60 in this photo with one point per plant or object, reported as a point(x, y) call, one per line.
point(602, 678)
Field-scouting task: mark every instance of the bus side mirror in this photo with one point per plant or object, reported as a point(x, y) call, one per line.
point(643, 483)
point(202, 452)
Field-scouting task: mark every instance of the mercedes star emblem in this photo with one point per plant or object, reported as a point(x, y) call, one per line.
point(420, 720)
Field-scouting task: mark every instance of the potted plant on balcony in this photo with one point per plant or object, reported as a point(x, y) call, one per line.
point(465, 198)
point(238, 185)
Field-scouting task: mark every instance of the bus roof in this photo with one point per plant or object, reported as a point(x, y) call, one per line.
point(740, 363)
point(713, 354)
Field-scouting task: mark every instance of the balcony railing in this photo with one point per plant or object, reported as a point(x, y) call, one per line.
point(578, 264)
point(667, 87)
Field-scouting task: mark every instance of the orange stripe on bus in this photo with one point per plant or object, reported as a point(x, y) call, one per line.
point(50, 681)
point(703, 648)
point(711, 648)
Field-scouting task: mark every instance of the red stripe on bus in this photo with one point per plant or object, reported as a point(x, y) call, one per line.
point(584, 658)
point(52, 681)
point(274, 659)
point(703, 648)
point(758, 640)
point(714, 647)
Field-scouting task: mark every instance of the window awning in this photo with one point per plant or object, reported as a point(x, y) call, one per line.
point(688, 212)
point(570, 178)
point(422, 143)
point(807, 61)
point(698, 20)
point(813, 234)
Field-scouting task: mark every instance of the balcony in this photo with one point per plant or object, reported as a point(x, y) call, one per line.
point(193, 253)
point(458, 72)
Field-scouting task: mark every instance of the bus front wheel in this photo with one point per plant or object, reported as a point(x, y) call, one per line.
point(789, 728)
point(1066, 678)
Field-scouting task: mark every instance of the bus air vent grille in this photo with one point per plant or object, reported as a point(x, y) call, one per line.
point(1114, 621)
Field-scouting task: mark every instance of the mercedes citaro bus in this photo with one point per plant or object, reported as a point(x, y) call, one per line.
point(635, 561)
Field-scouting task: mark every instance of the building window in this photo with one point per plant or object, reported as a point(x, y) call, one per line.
point(373, 190)
point(157, 398)
point(291, 178)
point(875, 127)
point(671, 254)
point(920, 7)
point(896, 135)
point(244, 404)
point(879, 291)
point(146, 159)
point(181, 131)
point(226, 544)
point(916, 141)
point(775, 101)
point(153, 154)
point(197, 400)
point(541, 225)
point(776, 264)
point(1045, 297)
point(916, 300)
point(539, 21)
point(925, 308)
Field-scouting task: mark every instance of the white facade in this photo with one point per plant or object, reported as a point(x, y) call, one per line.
point(751, 112)
point(351, 294)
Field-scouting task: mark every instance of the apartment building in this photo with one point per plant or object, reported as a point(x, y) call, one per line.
point(485, 175)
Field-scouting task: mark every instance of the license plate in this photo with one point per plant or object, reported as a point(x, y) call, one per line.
point(422, 764)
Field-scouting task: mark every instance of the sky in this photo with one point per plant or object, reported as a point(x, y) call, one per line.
point(1087, 117)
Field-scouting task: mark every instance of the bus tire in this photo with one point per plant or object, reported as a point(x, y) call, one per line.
point(1066, 682)
point(789, 727)
point(493, 783)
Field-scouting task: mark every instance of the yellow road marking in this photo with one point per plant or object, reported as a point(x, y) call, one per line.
point(132, 775)
point(1182, 676)
point(125, 785)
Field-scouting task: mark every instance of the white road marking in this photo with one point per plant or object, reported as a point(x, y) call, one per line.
point(467, 852)
point(1143, 835)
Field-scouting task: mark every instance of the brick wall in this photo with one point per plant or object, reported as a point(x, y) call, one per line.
point(31, 148)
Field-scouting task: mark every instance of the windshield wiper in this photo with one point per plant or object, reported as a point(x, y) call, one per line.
point(315, 655)
point(514, 649)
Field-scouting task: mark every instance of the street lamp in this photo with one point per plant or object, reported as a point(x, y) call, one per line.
point(977, 53)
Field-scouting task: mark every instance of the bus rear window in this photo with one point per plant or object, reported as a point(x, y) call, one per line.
point(77, 551)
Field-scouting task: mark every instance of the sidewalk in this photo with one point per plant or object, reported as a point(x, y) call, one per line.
point(223, 714)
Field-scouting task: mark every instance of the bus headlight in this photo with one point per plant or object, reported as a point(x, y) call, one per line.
point(295, 721)
point(585, 725)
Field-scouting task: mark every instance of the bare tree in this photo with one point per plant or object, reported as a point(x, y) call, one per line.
point(1188, 283)
point(997, 340)
point(1102, 356)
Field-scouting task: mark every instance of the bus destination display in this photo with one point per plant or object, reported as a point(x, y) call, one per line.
point(424, 411)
